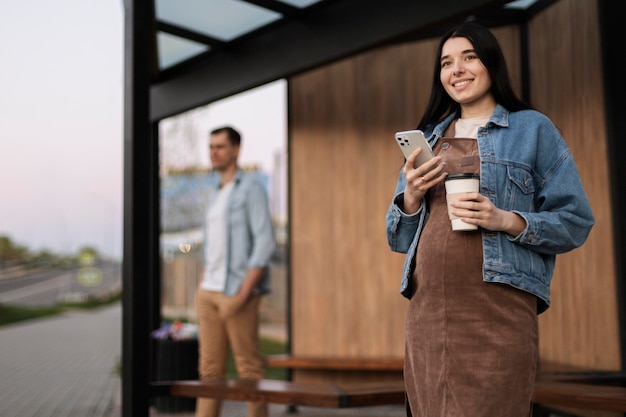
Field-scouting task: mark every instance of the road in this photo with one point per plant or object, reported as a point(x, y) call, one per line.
point(49, 287)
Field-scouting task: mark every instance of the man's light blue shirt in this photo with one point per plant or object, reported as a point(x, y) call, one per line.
point(250, 231)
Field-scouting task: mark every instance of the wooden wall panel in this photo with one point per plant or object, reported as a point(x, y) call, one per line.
point(344, 166)
point(581, 327)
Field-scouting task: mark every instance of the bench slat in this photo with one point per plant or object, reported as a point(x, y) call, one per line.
point(290, 393)
point(580, 396)
point(335, 363)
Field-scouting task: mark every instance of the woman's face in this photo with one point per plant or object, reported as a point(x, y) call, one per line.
point(464, 77)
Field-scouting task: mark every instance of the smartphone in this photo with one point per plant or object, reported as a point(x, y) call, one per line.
point(410, 140)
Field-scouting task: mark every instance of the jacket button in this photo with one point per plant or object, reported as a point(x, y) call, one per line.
point(445, 145)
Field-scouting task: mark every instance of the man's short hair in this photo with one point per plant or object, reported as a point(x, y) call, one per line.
point(234, 137)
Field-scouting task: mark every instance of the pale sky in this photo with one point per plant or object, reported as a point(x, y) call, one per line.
point(61, 124)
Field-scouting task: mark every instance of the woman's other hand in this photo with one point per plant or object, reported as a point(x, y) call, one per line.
point(475, 208)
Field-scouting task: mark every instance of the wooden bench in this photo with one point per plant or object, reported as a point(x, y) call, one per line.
point(287, 392)
point(598, 391)
point(312, 394)
point(335, 363)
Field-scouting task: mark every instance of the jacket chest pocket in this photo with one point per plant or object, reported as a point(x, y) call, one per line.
point(520, 190)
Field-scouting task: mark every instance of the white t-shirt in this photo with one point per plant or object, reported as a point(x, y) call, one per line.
point(468, 128)
point(217, 238)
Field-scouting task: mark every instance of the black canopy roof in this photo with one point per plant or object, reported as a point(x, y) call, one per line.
point(209, 50)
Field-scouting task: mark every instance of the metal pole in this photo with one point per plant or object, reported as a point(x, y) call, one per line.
point(138, 200)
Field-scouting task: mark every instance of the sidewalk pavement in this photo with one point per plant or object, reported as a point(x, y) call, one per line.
point(62, 366)
point(66, 366)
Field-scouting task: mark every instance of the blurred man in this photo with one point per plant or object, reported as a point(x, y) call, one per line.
point(238, 243)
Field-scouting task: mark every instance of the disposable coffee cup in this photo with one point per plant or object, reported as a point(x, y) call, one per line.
point(456, 186)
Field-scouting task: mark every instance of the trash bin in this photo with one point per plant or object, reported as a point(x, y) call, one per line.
point(175, 360)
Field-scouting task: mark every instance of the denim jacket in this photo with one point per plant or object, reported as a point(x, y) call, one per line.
point(526, 168)
point(251, 239)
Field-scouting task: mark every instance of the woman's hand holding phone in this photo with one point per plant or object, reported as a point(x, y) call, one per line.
point(419, 180)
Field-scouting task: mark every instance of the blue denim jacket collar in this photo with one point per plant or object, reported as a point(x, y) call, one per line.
point(500, 117)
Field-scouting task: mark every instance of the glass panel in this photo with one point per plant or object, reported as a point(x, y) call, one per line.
point(173, 49)
point(300, 3)
point(520, 4)
point(260, 115)
point(221, 19)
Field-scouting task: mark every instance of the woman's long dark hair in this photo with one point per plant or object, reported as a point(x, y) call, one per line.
point(488, 50)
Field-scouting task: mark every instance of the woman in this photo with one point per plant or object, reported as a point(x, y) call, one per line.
point(471, 328)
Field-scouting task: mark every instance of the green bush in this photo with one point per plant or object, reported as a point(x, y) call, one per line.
point(13, 314)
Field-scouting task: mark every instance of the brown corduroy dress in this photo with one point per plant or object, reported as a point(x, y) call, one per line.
point(471, 346)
